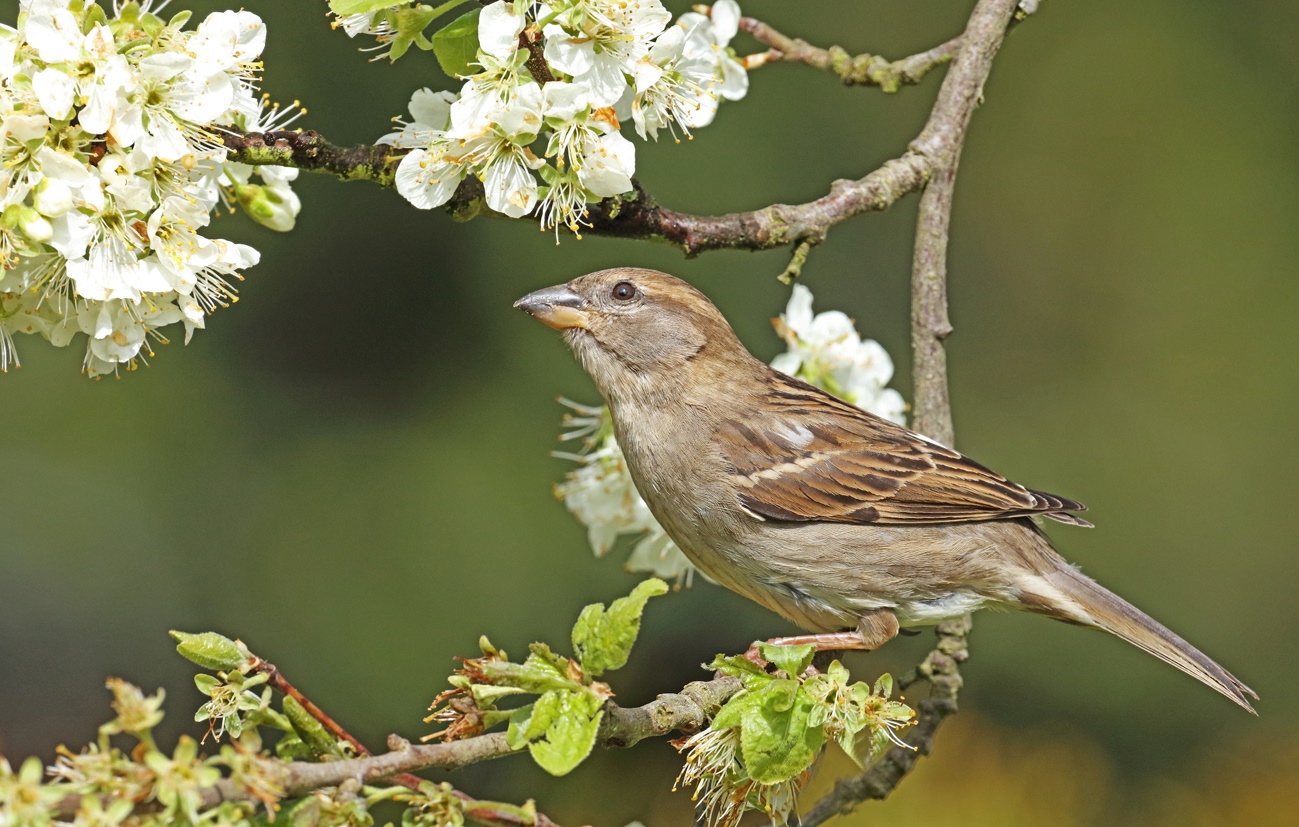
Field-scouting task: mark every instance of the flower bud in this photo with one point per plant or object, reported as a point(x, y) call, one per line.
point(53, 198)
point(211, 651)
point(273, 207)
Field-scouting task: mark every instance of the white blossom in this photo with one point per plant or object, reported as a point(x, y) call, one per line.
point(824, 350)
point(612, 60)
point(112, 165)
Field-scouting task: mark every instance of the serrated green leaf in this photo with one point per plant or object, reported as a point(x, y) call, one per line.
point(603, 639)
point(792, 660)
point(344, 7)
point(734, 711)
point(530, 677)
point(778, 744)
point(571, 734)
point(541, 656)
point(456, 44)
point(738, 666)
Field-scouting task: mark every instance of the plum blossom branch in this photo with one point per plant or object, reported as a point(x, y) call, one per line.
point(480, 812)
point(686, 711)
point(632, 215)
point(858, 70)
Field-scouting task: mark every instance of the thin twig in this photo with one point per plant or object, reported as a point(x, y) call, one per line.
point(858, 70)
point(277, 681)
point(485, 814)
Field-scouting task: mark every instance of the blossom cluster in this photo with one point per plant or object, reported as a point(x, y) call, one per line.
point(825, 350)
point(758, 750)
point(539, 117)
point(113, 164)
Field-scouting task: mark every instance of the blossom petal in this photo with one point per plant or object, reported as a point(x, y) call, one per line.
point(425, 182)
point(499, 28)
point(55, 91)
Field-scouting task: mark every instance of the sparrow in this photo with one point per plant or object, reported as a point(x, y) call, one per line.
point(847, 524)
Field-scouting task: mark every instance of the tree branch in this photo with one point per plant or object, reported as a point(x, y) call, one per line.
point(940, 142)
point(859, 70)
point(480, 812)
point(941, 669)
point(632, 215)
point(686, 711)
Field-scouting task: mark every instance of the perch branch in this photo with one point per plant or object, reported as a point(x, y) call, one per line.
point(858, 70)
point(686, 711)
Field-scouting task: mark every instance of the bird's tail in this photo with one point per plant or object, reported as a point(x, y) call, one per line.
point(1069, 595)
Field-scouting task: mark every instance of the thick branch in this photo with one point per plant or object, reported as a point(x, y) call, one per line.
point(633, 215)
point(685, 712)
point(310, 152)
point(859, 70)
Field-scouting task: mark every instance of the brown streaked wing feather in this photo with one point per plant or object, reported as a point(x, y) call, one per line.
point(808, 456)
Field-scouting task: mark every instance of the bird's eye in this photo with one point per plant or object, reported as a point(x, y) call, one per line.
point(624, 291)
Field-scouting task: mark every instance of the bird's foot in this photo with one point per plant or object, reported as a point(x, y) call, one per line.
point(833, 642)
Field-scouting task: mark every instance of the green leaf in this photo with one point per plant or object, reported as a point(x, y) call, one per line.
point(486, 695)
point(734, 711)
point(792, 660)
point(542, 657)
point(291, 748)
point(313, 734)
point(571, 734)
point(530, 676)
point(94, 16)
point(738, 666)
point(344, 7)
point(528, 723)
point(456, 44)
point(603, 639)
point(210, 650)
point(776, 741)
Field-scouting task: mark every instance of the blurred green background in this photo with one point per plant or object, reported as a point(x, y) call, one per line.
point(349, 469)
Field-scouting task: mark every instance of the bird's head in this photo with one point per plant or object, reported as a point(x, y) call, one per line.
point(634, 328)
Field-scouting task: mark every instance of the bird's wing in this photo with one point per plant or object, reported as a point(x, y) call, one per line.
point(807, 456)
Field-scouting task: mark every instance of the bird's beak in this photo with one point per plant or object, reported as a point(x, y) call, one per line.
point(557, 307)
